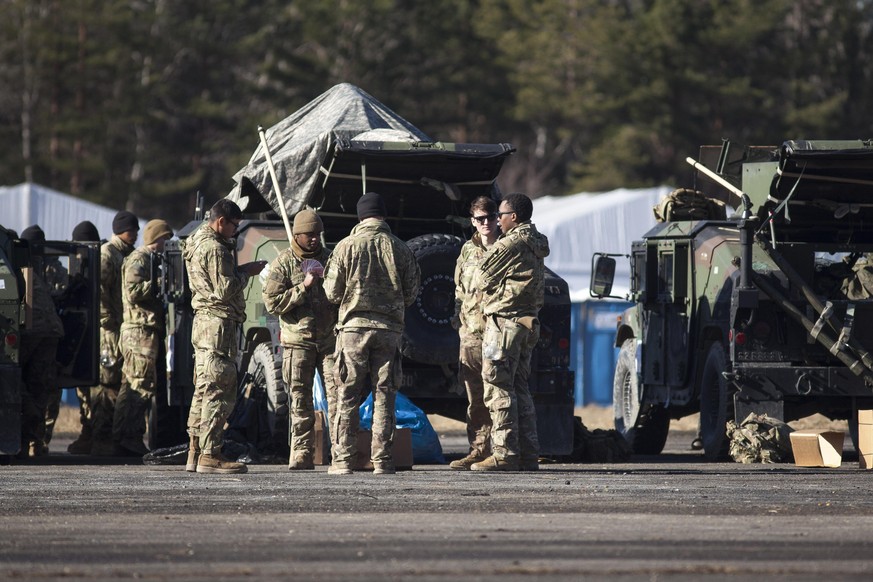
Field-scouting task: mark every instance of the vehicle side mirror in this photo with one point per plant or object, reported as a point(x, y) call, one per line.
point(602, 276)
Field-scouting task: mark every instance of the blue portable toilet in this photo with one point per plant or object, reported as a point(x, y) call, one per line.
point(594, 355)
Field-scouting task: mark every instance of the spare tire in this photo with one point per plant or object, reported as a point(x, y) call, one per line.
point(428, 336)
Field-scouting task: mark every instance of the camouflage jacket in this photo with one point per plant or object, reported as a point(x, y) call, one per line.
point(139, 293)
point(468, 299)
point(373, 276)
point(44, 320)
point(112, 255)
point(512, 274)
point(306, 315)
point(216, 283)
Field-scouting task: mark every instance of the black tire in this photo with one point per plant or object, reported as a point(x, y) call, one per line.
point(428, 336)
point(644, 427)
point(714, 405)
point(266, 372)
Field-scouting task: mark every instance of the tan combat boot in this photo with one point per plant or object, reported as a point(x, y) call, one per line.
point(218, 464)
point(492, 463)
point(464, 464)
point(301, 462)
point(193, 454)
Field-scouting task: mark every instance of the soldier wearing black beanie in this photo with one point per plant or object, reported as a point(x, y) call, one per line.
point(124, 221)
point(86, 231)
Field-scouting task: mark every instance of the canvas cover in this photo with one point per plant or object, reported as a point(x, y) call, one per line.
point(301, 142)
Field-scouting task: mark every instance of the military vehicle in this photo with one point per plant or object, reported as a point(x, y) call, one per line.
point(767, 310)
point(75, 269)
point(327, 155)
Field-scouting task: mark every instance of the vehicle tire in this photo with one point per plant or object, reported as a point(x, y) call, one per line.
point(428, 336)
point(714, 405)
point(644, 427)
point(266, 372)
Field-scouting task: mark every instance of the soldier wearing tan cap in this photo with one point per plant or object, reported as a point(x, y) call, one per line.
point(294, 292)
point(143, 333)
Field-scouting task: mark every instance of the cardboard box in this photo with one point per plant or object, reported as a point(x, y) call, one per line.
point(401, 451)
point(865, 439)
point(817, 448)
point(322, 440)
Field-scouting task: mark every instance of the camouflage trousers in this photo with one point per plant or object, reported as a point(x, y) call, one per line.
point(140, 347)
point(215, 342)
point(299, 364)
point(507, 348)
point(54, 409)
point(39, 372)
point(478, 416)
point(360, 352)
point(104, 397)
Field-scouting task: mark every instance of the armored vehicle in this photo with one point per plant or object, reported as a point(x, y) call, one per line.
point(766, 309)
point(326, 156)
point(73, 270)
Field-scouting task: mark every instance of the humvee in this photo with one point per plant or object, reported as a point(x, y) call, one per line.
point(76, 286)
point(767, 310)
point(428, 187)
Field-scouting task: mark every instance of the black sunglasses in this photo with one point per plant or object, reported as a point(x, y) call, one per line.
point(482, 219)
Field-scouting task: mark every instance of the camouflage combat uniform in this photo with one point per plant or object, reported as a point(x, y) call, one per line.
point(143, 332)
point(512, 279)
point(219, 310)
point(39, 345)
point(468, 309)
point(308, 320)
point(374, 277)
point(112, 255)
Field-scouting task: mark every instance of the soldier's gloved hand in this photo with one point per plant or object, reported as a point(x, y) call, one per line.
point(455, 322)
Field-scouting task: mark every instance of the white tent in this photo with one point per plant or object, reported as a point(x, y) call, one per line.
point(55, 212)
point(581, 224)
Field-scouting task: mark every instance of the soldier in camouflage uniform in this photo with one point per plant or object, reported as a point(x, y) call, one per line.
point(374, 277)
point(294, 292)
point(512, 280)
point(470, 322)
point(143, 335)
point(125, 229)
point(39, 345)
point(217, 286)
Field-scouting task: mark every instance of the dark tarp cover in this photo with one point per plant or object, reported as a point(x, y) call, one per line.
point(301, 142)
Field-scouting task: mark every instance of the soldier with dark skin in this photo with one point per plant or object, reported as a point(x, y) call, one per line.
point(512, 280)
point(143, 333)
point(293, 291)
point(217, 285)
point(125, 229)
point(470, 322)
point(374, 277)
point(39, 345)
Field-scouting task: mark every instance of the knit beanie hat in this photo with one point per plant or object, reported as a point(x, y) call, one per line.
point(123, 222)
point(307, 221)
point(33, 234)
point(371, 204)
point(154, 230)
point(86, 231)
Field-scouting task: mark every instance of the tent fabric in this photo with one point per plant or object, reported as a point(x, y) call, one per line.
point(55, 212)
point(582, 224)
point(300, 143)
